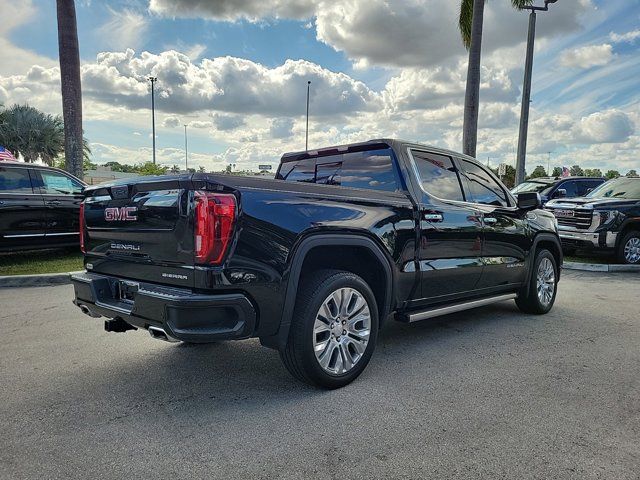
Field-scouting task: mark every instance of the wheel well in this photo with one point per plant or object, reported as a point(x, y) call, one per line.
point(356, 259)
point(629, 227)
point(553, 247)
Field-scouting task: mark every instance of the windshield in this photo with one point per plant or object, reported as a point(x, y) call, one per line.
point(530, 187)
point(618, 188)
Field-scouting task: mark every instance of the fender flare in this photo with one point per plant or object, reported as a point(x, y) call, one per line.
point(547, 237)
point(279, 341)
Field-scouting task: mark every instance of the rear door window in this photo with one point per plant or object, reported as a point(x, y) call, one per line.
point(438, 175)
point(371, 169)
point(15, 180)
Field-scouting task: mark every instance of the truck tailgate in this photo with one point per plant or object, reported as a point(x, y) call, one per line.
point(141, 230)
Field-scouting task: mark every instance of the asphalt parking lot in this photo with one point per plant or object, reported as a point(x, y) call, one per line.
point(490, 393)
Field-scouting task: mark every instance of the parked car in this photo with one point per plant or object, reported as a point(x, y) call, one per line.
point(606, 220)
point(39, 207)
point(314, 261)
point(558, 187)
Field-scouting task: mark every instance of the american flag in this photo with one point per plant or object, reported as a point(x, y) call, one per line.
point(565, 172)
point(6, 154)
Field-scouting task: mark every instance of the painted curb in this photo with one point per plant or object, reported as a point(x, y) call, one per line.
point(43, 280)
point(600, 267)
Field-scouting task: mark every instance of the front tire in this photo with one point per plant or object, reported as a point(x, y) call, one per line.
point(540, 295)
point(333, 330)
point(629, 249)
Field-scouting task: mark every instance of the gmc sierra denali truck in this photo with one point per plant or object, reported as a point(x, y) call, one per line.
point(606, 220)
point(314, 261)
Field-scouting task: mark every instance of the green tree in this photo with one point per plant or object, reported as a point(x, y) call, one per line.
point(576, 171)
point(612, 174)
point(175, 169)
point(557, 172)
point(71, 87)
point(31, 133)
point(538, 172)
point(631, 173)
point(470, 24)
point(592, 172)
point(201, 169)
point(150, 168)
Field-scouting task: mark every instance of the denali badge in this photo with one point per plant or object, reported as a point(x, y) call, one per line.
point(125, 214)
point(125, 246)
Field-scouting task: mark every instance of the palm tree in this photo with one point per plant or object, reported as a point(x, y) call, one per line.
point(33, 134)
point(71, 86)
point(470, 23)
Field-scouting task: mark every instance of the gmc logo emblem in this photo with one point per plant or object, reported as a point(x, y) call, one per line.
point(123, 214)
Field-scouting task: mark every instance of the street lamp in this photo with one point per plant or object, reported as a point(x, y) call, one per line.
point(306, 141)
point(186, 157)
point(153, 80)
point(526, 90)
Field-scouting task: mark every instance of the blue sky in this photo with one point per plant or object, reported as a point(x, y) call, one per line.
point(235, 72)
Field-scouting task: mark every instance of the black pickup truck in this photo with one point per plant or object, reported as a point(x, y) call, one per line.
point(314, 261)
point(606, 220)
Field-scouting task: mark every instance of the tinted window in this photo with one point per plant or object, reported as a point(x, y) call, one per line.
point(15, 180)
point(371, 169)
point(618, 188)
point(585, 185)
point(482, 187)
point(438, 175)
point(58, 183)
point(570, 187)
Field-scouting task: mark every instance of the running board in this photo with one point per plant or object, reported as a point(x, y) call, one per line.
point(458, 307)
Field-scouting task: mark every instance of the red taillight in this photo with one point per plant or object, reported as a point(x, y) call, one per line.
point(82, 246)
point(215, 216)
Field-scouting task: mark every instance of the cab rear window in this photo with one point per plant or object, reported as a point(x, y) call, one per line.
point(372, 169)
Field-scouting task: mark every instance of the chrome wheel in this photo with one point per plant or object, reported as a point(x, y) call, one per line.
point(341, 330)
point(546, 281)
point(632, 250)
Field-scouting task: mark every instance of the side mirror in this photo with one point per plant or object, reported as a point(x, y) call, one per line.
point(529, 200)
point(560, 193)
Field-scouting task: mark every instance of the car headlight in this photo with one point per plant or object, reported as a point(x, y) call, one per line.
point(607, 216)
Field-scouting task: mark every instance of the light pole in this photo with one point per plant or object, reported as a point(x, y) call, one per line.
point(186, 157)
point(306, 140)
point(526, 91)
point(153, 80)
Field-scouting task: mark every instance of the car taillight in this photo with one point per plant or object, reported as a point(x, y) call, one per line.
point(82, 246)
point(215, 216)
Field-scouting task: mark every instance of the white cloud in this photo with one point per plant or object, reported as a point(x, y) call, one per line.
point(232, 10)
point(227, 122)
point(171, 122)
point(415, 33)
point(124, 29)
point(628, 37)
point(587, 57)
point(281, 128)
point(610, 126)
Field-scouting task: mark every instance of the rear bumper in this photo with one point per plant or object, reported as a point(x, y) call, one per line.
point(588, 240)
point(182, 314)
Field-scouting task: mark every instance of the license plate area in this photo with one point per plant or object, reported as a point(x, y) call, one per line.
point(127, 291)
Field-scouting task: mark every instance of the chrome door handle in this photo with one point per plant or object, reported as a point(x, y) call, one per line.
point(53, 202)
point(490, 220)
point(433, 217)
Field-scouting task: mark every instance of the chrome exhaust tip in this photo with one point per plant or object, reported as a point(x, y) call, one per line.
point(159, 334)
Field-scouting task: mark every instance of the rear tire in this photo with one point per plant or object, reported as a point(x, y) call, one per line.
point(629, 249)
point(540, 295)
point(333, 330)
